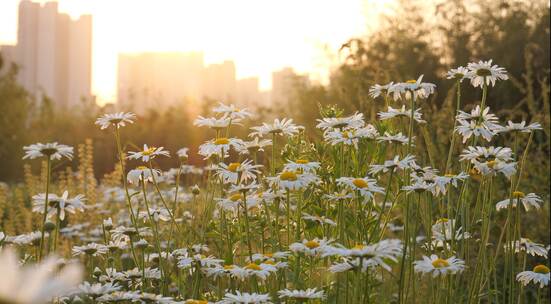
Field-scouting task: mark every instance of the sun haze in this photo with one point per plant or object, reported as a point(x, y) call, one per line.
point(260, 36)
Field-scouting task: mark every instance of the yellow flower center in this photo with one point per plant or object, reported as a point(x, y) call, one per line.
point(475, 174)
point(149, 151)
point(268, 255)
point(48, 151)
point(358, 247)
point(233, 166)
point(518, 194)
point(141, 168)
point(269, 262)
point(302, 161)
point(440, 263)
point(492, 164)
point(348, 134)
point(360, 183)
point(483, 72)
point(442, 220)
point(541, 269)
point(221, 141)
point(449, 175)
point(312, 244)
point(253, 266)
point(197, 302)
point(411, 81)
point(288, 176)
point(236, 197)
point(229, 267)
point(115, 120)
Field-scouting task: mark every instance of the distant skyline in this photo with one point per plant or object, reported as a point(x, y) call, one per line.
point(259, 36)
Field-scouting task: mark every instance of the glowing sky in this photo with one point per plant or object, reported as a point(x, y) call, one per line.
point(260, 36)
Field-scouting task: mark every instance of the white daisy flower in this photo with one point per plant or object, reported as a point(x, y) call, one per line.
point(539, 275)
point(477, 123)
point(51, 150)
point(91, 249)
point(245, 298)
point(484, 72)
point(301, 165)
point(520, 127)
point(443, 232)
point(396, 138)
point(186, 261)
point(215, 123)
point(237, 173)
point(344, 195)
point(156, 213)
point(412, 89)
point(377, 90)
point(278, 127)
point(459, 73)
point(145, 297)
point(322, 220)
point(396, 163)
point(490, 160)
point(350, 137)
point(261, 271)
point(315, 247)
point(232, 111)
point(245, 188)
point(302, 295)
point(148, 153)
point(528, 200)
point(291, 180)
point(526, 245)
point(183, 153)
point(366, 186)
point(441, 183)
point(59, 204)
point(418, 186)
point(354, 121)
point(438, 266)
point(378, 254)
point(402, 112)
point(115, 119)
point(36, 284)
point(97, 289)
point(252, 146)
point(219, 147)
point(142, 173)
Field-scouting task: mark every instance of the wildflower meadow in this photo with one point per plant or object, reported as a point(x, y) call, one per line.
point(363, 212)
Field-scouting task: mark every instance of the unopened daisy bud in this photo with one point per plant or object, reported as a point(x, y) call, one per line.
point(195, 190)
point(97, 272)
point(108, 224)
point(141, 244)
point(183, 153)
point(49, 226)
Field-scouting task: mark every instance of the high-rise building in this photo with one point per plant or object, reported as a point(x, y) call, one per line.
point(54, 53)
point(161, 79)
point(219, 81)
point(248, 93)
point(284, 83)
point(156, 80)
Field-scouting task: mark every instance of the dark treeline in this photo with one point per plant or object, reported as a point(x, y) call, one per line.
point(417, 39)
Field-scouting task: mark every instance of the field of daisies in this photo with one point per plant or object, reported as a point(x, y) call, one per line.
point(362, 215)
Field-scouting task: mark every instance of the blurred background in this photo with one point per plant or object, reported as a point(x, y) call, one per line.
point(64, 63)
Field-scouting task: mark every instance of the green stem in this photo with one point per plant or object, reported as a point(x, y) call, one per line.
point(49, 169)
